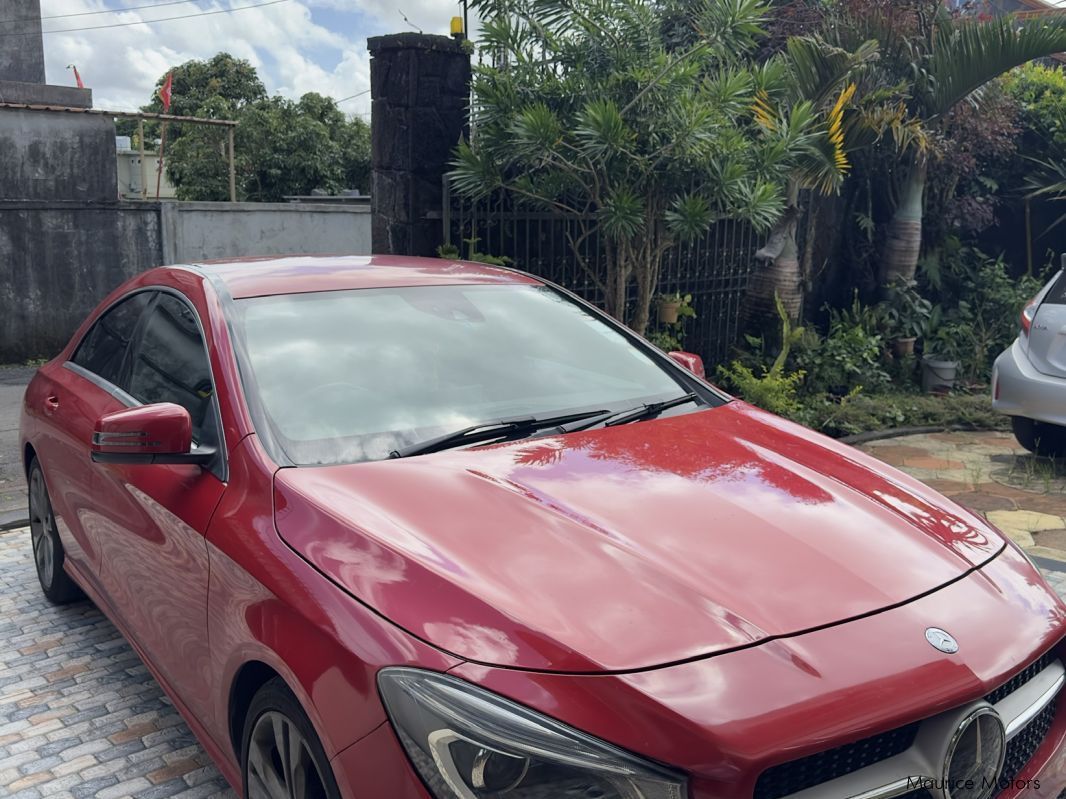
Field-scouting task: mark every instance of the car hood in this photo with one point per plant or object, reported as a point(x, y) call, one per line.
point(629, 547)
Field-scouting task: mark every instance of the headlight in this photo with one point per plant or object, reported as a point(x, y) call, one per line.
point(468, 743)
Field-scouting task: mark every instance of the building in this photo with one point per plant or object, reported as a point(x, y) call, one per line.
point(135, 183)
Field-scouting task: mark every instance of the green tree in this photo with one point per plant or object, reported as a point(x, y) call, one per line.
point(634, 118)
point(1040, 93)
point(817, 76)
point(940, 60)
point(282, 147)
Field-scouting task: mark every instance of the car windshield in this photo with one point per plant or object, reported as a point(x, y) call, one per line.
point(348, 376)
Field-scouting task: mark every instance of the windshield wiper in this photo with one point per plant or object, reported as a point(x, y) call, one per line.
point(487, 431)
point(650, 410)
point(612, 418)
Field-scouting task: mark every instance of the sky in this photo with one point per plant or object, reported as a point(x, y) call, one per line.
point(296, 45)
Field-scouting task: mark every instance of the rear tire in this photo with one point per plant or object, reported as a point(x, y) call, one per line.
point(1040, 438)
point(48, 554)
point(281, 755)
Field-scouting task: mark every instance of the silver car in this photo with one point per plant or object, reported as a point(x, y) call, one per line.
point(1029, 378)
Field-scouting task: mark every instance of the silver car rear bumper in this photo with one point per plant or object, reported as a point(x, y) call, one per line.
point(1018, 389)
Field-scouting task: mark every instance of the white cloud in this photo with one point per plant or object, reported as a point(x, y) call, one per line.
point(291, 44)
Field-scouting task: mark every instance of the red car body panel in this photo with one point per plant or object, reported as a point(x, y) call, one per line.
point(671, 554)
point(720, 591)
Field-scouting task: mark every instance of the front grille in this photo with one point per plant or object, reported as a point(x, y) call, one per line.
point(1019, 679)
point(798, 775)
point(1022, 747)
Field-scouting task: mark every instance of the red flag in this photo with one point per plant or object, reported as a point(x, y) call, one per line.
point(164, 92)
point(77, 77)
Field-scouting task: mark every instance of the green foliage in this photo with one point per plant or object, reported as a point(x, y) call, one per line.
point(905, 311)
point(670, 336)
point(775, 389)
point(451, 253)
point(633, 116)
point(866, 413)
point(849, 358)
point(979, 306)
point(282, 147)
point(1040, 93)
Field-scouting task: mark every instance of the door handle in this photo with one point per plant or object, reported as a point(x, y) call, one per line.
point(51, 404)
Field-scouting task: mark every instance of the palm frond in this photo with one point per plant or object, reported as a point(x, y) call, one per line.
point(970, 53)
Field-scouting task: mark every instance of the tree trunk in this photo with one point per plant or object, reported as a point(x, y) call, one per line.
point(645, 254)
point(781, 277)
point(780, 274)
point(899, 261)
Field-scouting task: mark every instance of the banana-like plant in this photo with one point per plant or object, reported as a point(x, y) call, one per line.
point(632, 118)
point(819, 85)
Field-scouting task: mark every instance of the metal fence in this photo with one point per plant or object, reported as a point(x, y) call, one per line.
point(714, 269)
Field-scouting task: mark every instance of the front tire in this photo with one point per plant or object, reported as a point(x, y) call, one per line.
point(48, 554)
point(281, 756)
point(1040, 438)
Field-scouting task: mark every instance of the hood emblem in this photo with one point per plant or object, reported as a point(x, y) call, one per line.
point(942, 640)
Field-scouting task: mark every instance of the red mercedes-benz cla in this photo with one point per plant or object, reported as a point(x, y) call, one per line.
point(389, 528)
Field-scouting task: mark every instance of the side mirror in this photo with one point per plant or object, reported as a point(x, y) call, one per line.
point(689, 360)
point(158, 433)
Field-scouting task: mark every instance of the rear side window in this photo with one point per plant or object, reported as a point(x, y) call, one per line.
point(103, 350)
point(1057, 295)
point(170, 364)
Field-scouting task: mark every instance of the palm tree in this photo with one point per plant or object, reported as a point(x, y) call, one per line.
point(938, 62)
point(818, 77)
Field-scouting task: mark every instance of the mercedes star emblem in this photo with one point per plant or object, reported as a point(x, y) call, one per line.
point(942, 640)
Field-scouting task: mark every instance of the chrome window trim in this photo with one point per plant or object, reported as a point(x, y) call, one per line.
point(116, 392)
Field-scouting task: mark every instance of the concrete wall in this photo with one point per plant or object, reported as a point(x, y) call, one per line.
point(59, 259)
point(46, 155)
point(202, 231)
point(22, 45)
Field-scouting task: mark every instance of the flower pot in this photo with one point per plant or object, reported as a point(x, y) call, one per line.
point(903, 347)
point(668, 311)
point(938, 376)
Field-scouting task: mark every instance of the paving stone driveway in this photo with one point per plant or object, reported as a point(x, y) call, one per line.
point(81, 717)
point(990, 474)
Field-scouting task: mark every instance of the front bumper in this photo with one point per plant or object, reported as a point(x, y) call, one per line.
point(1020, 390)
point(728, 719)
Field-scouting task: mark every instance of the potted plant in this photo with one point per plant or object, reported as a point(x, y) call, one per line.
point(673, 309)
point(906, 315)
point(669, 305)
point(940, 358)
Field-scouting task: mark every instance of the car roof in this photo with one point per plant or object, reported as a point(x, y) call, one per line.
point(297, 274)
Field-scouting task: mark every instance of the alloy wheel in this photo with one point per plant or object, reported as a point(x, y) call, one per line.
point(42, 529)
point(280, 763)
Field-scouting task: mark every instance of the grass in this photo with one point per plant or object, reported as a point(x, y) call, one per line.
point(871, 412)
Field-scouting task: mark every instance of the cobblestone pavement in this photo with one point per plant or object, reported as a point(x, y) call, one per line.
point(80, 716)
point(990, 474)
point(13, 381)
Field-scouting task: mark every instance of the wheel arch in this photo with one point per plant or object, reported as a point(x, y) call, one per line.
point(250, 677)
point(28, 454)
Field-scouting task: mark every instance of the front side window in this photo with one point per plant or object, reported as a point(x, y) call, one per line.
point(103, 350)
point(347, 376)
point(170, 364)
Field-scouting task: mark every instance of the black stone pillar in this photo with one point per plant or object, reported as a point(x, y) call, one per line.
point(420, 88)
point(22, 45)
